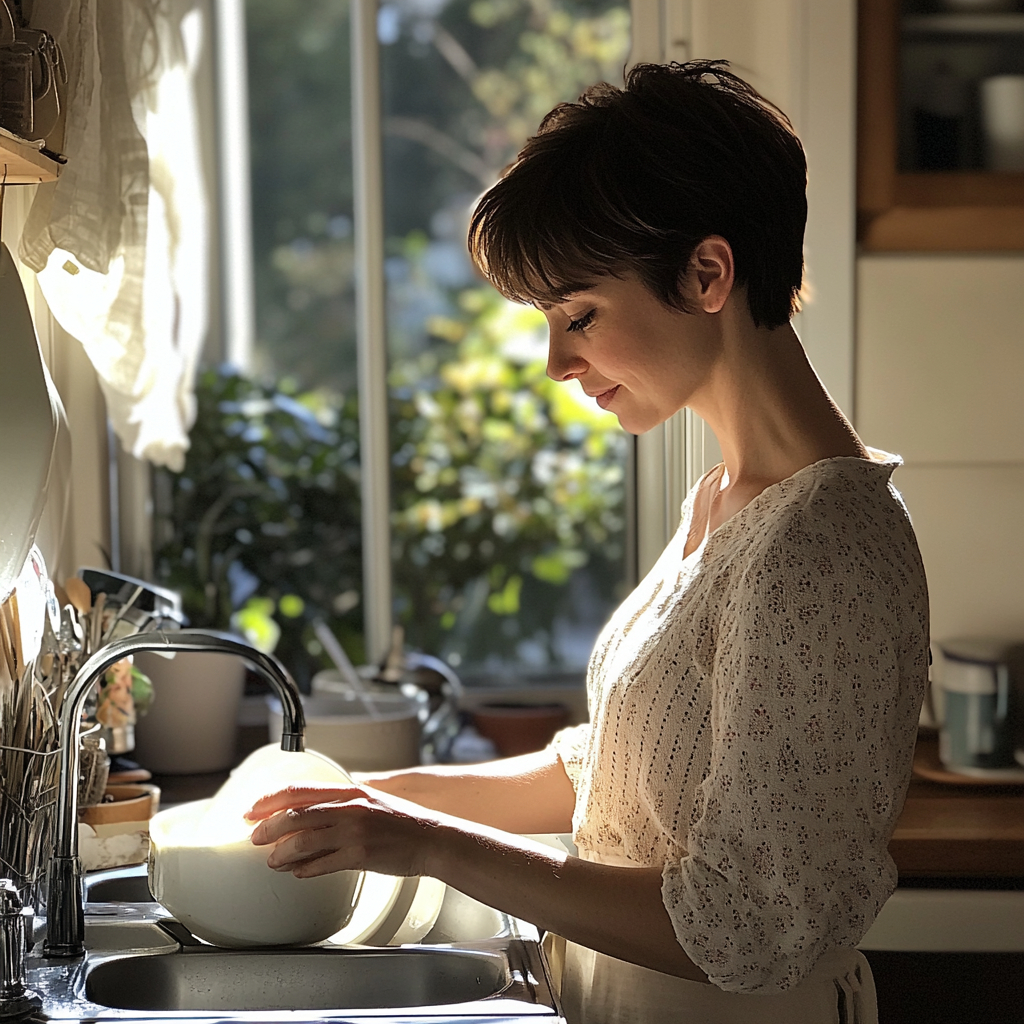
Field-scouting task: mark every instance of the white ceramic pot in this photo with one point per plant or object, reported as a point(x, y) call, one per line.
point(192, 725)
point(341, 727)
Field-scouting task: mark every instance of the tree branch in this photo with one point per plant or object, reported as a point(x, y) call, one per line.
point(444, 145)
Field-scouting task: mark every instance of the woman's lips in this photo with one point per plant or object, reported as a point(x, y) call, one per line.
point(605, 398)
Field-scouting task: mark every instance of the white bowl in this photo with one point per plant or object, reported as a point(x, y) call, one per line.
point(205, 870)
point(225, 893)
point(341, 727)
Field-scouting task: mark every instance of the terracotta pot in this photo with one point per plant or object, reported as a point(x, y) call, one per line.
point(519, 728)
point(132, 805)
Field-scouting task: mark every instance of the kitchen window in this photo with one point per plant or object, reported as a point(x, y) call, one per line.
point(439, 482)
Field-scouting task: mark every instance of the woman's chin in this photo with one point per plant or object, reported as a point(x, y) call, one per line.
point(634, 422)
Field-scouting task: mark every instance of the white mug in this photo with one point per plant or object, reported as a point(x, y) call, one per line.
point(1002, 112)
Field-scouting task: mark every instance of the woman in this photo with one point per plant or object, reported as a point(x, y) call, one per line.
point(754, 702)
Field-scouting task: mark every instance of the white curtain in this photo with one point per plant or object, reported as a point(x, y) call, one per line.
point(120, 241)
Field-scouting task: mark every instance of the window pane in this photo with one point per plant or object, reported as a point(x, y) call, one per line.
point(301, 147)
point(508, 491)
point(265, 520)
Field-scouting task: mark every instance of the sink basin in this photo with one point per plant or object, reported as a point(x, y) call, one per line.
point(122, 888)
point(234, 980)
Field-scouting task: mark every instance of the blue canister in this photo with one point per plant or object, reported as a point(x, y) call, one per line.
point(978, 718)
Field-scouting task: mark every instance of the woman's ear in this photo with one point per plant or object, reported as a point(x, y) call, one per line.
point(711, 274)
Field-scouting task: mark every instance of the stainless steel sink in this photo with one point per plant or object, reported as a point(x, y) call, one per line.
point(224, 980)
point(477, 965)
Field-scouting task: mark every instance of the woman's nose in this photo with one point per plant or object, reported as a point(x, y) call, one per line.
point(564, 362)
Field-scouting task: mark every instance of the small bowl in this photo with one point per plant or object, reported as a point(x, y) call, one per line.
point(519, 728)
point(129, 809)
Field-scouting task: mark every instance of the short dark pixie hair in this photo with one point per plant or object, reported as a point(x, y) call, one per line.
point(634, 179)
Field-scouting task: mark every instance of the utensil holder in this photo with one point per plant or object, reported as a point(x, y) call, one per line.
point(27, 806)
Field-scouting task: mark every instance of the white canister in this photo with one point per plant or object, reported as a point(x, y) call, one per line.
point(341, 727)
point(1002, 113)
point(192, 725)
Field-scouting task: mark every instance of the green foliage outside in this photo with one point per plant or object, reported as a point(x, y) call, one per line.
point(505, 484)
point(265, 517)
point(508, 495)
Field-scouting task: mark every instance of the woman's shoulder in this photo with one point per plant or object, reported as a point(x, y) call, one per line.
point(846, 509)
point(839, 491)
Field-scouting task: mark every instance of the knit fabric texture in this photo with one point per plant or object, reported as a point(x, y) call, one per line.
point(754, 708)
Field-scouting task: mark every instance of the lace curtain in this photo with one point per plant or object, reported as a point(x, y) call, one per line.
point(120, 241)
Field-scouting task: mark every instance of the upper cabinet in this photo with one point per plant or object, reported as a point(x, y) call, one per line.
point(941, 125)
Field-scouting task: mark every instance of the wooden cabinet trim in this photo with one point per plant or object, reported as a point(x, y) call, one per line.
point(938, 212)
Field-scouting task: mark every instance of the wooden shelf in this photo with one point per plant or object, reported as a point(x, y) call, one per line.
point(941, 211)
point(23, 162)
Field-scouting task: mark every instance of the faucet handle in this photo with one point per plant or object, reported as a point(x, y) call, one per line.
point(15, 999)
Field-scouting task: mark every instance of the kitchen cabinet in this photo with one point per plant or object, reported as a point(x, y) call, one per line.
point(925, 167)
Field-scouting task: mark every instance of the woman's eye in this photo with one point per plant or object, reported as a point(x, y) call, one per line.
point(583, 322)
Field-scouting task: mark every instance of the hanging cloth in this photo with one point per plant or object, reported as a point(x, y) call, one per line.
point(120, 241)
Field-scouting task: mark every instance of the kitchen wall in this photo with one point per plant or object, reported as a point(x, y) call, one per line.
point(83, 535)
point(940, 374)
point(925, 353)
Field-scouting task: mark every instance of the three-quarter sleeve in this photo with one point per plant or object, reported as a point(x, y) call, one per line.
point(571, 746)
point(817, 681)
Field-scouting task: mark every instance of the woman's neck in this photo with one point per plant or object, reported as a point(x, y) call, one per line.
point(770, 412)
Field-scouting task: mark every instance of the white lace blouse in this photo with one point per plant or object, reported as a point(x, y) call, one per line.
point(754, 708)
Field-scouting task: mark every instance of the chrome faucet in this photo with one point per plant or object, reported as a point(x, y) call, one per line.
point(65, 916)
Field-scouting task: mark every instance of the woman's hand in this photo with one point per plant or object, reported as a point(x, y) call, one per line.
point(319, 829)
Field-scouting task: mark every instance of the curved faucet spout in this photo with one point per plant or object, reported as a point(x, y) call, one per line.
point(65, 929)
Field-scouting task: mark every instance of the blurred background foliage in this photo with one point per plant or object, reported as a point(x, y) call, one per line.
point(508, 491)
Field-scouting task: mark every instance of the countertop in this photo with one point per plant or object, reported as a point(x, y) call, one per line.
point(944, 830)
point(952, 830)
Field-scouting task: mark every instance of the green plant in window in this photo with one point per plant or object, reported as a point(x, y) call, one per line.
point(505, 482)
point(261, 530)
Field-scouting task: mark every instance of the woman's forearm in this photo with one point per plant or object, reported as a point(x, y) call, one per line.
point(525, 794)
point(615, 910)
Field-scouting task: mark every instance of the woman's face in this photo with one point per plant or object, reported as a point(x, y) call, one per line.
point(630, 352)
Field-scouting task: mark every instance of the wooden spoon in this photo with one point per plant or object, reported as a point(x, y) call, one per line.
point(79, 594)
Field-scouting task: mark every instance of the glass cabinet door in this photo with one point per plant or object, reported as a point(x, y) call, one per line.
point(961, 86)
point(940, 125)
